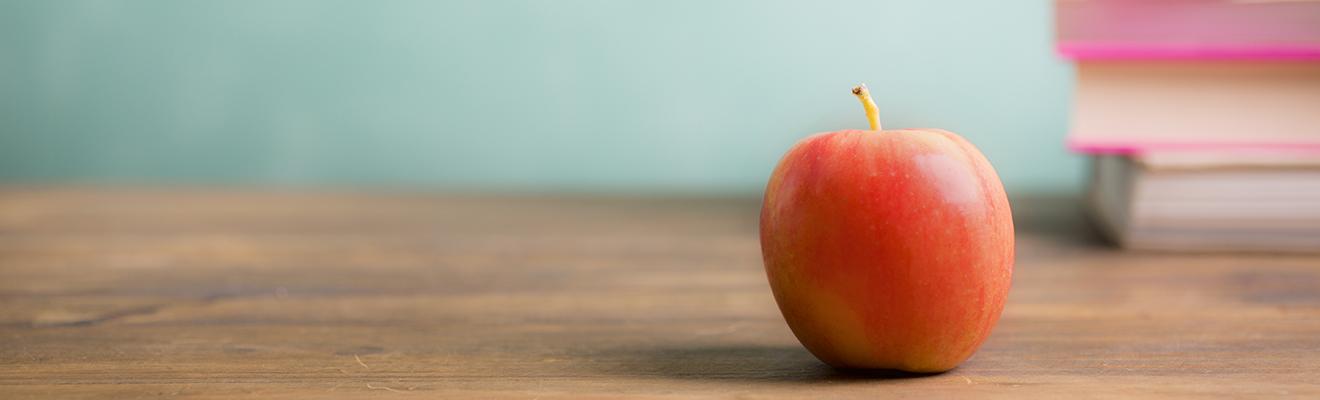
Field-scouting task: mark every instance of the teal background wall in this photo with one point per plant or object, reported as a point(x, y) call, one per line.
point(522, 95)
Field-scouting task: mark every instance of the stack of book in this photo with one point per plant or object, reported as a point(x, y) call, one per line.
point(1203, 120)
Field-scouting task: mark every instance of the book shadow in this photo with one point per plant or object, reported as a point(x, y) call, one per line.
point(752, 363)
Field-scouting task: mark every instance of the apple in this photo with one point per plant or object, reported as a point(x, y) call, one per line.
point(888, 249)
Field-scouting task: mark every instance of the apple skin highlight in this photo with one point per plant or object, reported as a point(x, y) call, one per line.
point(888, 249)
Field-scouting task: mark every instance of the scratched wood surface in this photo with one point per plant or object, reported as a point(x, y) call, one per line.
point(215, 294)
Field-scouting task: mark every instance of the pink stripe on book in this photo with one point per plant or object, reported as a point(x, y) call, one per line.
point(1178, 51)
point(1139, 147)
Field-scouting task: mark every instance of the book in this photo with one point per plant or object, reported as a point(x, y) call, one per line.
point(1127, 107)
point(1186, 201)
point(1188, 29)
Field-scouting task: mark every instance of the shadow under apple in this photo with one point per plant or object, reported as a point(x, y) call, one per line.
point(753, 363)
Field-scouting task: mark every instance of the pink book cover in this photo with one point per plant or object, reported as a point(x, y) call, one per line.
point(1188, 29)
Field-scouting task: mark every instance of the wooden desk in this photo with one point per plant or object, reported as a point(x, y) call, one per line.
point(208, 294)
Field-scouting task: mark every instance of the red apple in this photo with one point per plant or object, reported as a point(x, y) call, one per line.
point(888, 249)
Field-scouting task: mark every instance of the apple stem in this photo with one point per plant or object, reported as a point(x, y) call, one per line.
point(872, 113)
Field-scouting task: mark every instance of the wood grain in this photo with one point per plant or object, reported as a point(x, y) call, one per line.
point(222, 294)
